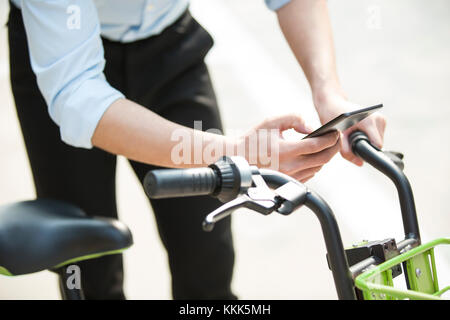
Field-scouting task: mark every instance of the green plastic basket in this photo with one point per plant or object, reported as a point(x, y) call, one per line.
point(376, 283)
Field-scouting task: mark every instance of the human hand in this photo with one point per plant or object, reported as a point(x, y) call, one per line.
point(374, 125)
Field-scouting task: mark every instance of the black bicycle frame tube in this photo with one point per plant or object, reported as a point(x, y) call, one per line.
point(330, 229)
point(66, 293)
point(336, 254)
point(362, 147)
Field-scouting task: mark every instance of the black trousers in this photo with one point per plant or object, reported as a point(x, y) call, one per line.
point(167, 74)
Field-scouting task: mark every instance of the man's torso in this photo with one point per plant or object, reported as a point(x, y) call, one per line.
point(130, 20)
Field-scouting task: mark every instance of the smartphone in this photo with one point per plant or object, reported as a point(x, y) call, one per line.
point(344, 121)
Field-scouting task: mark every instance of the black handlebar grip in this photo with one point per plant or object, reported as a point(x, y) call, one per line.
point(173, 183)
point(355, 137)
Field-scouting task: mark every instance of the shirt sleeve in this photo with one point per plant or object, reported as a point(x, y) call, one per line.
point(276, 4)
point(67, 57)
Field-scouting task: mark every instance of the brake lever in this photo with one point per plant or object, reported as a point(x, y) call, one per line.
point(263, 206)
point(261, 199)
point(395, 156)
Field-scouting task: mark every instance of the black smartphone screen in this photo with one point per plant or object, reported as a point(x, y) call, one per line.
point(344, 121)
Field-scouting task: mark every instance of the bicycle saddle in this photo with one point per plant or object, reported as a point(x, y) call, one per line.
point(44, 234)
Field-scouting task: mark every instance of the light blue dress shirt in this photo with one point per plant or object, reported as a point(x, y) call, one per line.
point(67, 54)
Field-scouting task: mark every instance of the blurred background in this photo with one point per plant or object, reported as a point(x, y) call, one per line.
point(391, 52)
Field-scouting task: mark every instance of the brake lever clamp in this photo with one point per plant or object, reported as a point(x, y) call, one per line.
point(261, 199)
point(293, 196)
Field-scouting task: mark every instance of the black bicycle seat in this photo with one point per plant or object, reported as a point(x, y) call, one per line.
point(43, 234)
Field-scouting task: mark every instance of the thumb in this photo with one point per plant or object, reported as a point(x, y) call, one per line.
point(347, 153)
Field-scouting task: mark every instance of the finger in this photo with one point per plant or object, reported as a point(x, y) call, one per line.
point(302, 174)
point(347, 152)
point(306, 179)
point(311, 145)
point(288, 121)
point(381, 126)
point(374, 127)
point(374, 136)
point(354, 159)
point(322, 157)
point(304, 162)
point(375, 131)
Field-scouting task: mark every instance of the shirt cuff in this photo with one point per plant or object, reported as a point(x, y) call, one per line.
point(276, 4)
point(83, 110)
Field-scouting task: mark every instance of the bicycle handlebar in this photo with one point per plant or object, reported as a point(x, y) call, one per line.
point(171, 183)
point(224, 179)
point(228, 178)
point(362, 147)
